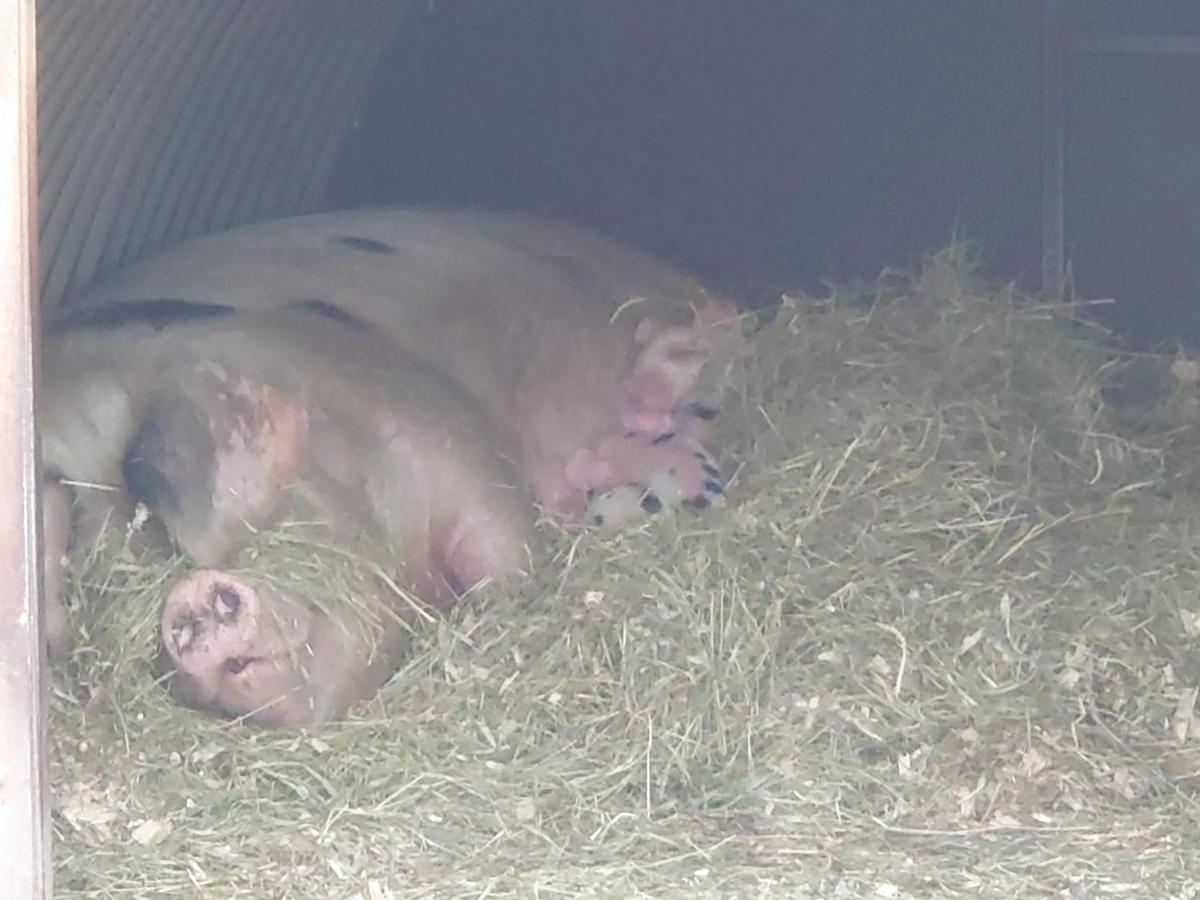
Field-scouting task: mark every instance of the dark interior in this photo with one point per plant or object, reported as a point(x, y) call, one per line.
point(773, 143)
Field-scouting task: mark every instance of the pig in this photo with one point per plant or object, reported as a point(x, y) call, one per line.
point(589, 358)
point(226, 421)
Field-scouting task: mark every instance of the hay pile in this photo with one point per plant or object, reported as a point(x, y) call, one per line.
point(942, 642)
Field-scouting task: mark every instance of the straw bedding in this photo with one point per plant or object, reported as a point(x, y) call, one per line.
point(940, 641)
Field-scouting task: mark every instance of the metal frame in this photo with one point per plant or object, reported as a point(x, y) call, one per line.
point(1053, 148)
point(24, 818)
point(1057, 43)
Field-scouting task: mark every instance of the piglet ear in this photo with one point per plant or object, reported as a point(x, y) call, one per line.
point(644, 331)
point(666, 370)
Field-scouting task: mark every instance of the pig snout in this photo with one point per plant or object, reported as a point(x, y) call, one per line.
point(247, 651)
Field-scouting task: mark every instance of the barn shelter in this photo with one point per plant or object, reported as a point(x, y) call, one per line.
point(937, 642)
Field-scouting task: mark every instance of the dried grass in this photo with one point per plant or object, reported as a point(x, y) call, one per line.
point(941, 642)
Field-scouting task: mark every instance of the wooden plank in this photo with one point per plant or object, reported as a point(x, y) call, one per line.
point(1053, 149)
point(1140, 44)
point(24, 822)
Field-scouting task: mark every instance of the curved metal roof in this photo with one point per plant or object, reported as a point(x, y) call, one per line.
point(162, 120)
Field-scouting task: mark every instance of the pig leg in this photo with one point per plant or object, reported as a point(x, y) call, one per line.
point(56, 532)
point(482, 545)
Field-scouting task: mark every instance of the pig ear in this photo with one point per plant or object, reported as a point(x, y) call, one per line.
point(258, 453)
point(212, 456)
point(286, 433)
point(667, 369)
point(170, 459)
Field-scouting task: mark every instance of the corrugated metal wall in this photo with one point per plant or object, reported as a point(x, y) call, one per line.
point(163, 119)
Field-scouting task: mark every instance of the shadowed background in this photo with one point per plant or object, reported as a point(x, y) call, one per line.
point(775, 142)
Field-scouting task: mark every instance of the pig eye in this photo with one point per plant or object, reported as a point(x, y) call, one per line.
point(237, 664)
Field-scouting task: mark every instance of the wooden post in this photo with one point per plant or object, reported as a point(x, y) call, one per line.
point(1053, 149)
point(24, 823)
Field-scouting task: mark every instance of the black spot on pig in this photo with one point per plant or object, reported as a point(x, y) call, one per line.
point(328, 311)
point(157, 313)
point(367, 245)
